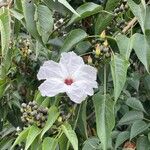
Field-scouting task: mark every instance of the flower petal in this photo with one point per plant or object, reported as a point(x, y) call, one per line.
point(86, 72)
point(76, 93)
point(52, 87)
point(86, 86)
point(50, 69)
point(71, 62)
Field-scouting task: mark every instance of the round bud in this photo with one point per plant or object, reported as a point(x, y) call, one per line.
point(38, 116)
point(33, 113)
point(24, 105)
point(105, 49)
point(107, 54)
point(35, 107)
point(30, 103)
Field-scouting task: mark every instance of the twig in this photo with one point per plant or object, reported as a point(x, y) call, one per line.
point(10, 3)
point(130, 24)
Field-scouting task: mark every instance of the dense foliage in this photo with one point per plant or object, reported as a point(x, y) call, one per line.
point(111, 35)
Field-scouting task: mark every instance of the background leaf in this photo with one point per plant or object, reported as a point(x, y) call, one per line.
point(71, 135)
point(73, 38)
point(49, 143)
point(85, 10)
point(105, 121)
point(52, 116)
point(119, 66)
point(32, 134)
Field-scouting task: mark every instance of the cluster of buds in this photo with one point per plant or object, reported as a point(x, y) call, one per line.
point(121, 8)
point(24, 45)
point(34, 114)
point(102, 49)
point(121, 24)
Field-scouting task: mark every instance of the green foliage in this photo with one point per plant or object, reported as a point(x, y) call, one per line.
point(111, 35)
point(105, 121)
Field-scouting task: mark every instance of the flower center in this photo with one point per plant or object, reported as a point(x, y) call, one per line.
point(68, 81)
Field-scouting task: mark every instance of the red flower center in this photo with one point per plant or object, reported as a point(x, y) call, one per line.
point(68, 81)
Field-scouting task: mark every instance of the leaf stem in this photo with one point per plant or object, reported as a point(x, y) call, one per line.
point(105, 87)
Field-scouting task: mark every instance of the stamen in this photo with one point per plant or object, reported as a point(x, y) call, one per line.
point(68, 81)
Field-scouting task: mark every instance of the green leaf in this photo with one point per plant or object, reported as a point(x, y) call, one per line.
point(82, 47)
point(130, 117)
point(119, 66)
point(49, 143)
point(91, 144)
point(142, 49)
point(63, 142)
point(67, 5)
point(71, 135)
point(135, 104)
point(104, 19)
point(85, 10)
point(45, 21)
point(29, 13)
point(125, 45)
point(137, 128)
point(6, 143)
point(110, 5)
point(2, 87)
point(33, 133)
point(142, 143)
point(105, 120)
point(72, 39)
point(147, 20)
point(17, 14)
point(5, 30)
point(57, 7)
point(52, 116)
point(82, 123)
point(139, 11)
point(121, 138)
point(22, 136)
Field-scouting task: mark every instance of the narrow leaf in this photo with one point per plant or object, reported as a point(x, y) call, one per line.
point(105, 120)
point(44, 22)
point(85, 10)
point(5, 30)
point(139, 11)
point(29, 12)
point(52, 116)
point(71, 135)
point(119, 66)
point(125, 45)
point(33, 133)
point(73, 38)
point(67, 5)
point(49, 143)
point(142, 49)
point(22, 136)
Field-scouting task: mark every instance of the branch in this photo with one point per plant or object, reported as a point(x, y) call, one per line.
point(129, 25)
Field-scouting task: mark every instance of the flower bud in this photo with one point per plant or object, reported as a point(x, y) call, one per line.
point(103, 35)
point(98, 50)
point(89, 60)
point(105, 43)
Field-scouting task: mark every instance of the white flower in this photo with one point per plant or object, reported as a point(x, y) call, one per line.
point(70, 75)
